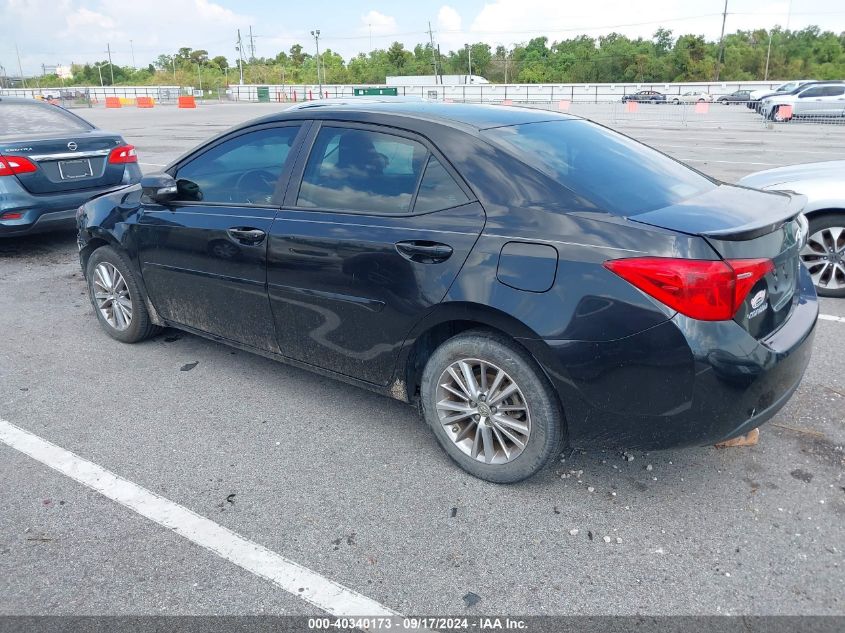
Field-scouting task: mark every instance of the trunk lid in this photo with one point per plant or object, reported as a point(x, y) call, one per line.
point(741, 223)
point(70, 162)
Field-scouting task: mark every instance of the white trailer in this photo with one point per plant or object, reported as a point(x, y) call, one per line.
point(431, 80)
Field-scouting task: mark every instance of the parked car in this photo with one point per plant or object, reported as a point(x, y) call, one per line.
point(757, 95)
point(738, 96)
point(818, 100)
point(473, 259)
point(645, 96)
point(692, 97)
point(823, 184)
point(51, 161)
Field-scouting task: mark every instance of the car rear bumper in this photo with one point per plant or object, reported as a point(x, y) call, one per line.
point(681, 383)
point(44, 212)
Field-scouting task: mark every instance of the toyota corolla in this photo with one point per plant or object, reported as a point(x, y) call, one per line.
point(532, 280)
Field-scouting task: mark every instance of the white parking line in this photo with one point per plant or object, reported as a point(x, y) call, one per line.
point(751, 148)
point(729, 162)
point(830, 317)
point(290, 576)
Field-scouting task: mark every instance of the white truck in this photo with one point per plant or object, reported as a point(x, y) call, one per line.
point(431, 80)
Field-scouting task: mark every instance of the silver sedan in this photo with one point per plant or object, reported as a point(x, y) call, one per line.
point(824, 186)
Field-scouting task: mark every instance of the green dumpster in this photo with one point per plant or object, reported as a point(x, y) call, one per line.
point(263, 94)
point(371, 92)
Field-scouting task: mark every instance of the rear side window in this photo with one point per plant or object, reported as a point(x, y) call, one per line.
point(438, 190)
point(834, 91)
point(610, 170)
point(362, 171)
point(24, 119)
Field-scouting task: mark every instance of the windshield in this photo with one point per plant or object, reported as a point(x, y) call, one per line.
point(37, 119)
point(610, 170)
point(788, 87)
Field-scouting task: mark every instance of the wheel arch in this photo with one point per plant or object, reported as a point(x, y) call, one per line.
point(100, 238)
point(824, 210)
point(442, 323)
point(97, 240)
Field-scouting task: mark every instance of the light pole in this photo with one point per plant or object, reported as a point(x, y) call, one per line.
point(316, 35)
point(469, 63)
point(768, 55)
point(100, 71)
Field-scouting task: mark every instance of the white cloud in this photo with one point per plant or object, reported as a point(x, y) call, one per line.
point(380, 23)
point(450, 33)
point(448, 19)
point(65, 31)
point(83, 17)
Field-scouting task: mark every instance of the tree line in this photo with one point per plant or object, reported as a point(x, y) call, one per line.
point(614, 58)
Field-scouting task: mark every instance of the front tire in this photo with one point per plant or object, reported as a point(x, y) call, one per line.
point(491, 407)
point(116, 296)
point(824, 254)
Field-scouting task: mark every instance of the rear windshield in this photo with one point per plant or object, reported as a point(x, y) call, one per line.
point(25, 119)
point(614, 172)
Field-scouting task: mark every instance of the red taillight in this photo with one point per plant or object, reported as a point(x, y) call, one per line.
point(700, 289)
point(14, 165)
point(11, 215)
point(123, 154)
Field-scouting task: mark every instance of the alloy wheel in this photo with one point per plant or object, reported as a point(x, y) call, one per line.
point(112, 296)
point(483, 411)
point(824, 257)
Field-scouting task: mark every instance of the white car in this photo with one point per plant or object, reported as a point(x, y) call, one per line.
point(692, 97)
point(789, 86)
point(815, 100)
point(823, 184)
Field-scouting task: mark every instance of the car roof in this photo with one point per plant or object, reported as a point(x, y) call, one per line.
point(458, 115)
point(25, 100)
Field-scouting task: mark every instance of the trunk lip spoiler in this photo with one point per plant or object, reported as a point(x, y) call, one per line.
point(69, 155)
point(748, 231)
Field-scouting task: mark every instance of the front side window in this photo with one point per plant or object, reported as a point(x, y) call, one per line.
point(612, 171)
point(362, 171)
point(811, 92)
point(241, 170)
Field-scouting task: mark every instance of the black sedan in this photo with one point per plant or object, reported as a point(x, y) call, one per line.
point(738, 96)
point(51, 161)
point(645, 96)
point(531, 279)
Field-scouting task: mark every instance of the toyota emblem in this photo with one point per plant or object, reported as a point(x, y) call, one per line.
point(72, 146)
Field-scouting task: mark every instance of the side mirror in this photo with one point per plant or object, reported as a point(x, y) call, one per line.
point(160, 188)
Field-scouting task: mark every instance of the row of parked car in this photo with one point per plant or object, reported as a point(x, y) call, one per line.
point(693, 96)
point(802, 98)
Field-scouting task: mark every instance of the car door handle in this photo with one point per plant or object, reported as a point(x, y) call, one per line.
point(247, 235)
point(423, 252)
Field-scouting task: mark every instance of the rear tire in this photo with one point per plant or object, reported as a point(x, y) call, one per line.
point(506, 439)
point(827, 232)
point(117, 298)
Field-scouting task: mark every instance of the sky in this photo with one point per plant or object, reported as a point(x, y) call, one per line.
point(63, 31)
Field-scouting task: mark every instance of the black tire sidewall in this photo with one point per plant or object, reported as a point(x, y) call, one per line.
point(825, 221)
point(138, 328)
point(546, 417)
